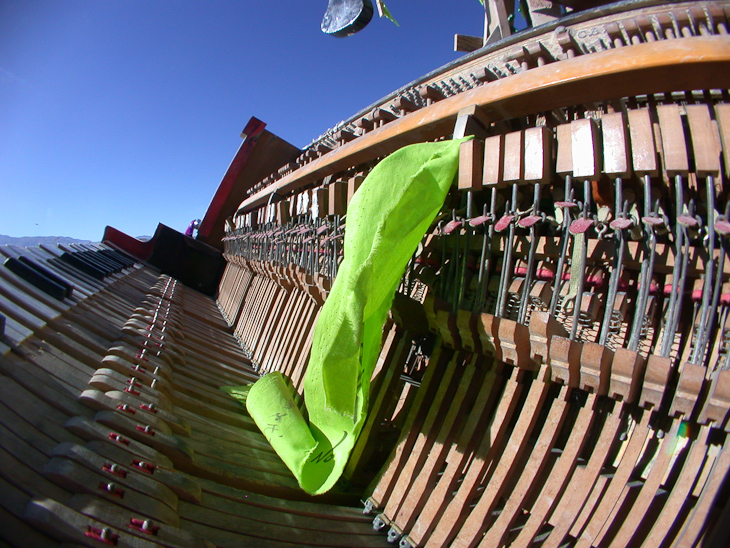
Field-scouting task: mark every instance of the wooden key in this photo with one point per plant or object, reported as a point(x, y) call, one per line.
point(353, 183)
point(564, 154)
point(627, 373)
point(176, 448)
point(658, 371)
point(514, 161)
point(430, 450)
point(185, 487)
point(586, 156)
point(529, 477)
point(514, 343)
point(494, 161)
point(675, 500)
point(447, 522)
point(661, 467)
point(705, 141)
point(283, 212)
point(537, 154)
point(676, 161)
point(595, 368)
point(722, 115)
point(689, 388)
point(505, 464)
point(385, 483)
point(560, 474)
point(471, 159)
point(466, 325)
point(574, 497)
point(643, 148)
point(63, 524)
point(615, 145)
point(446, 325)
point(77, 478)
point(477, 421)
point(127, 477)
point(565, 360)
point(110, 514)
point(717, 403)
point(695, 530)
point(92, 431)
point(543, 327)
point(337, 197)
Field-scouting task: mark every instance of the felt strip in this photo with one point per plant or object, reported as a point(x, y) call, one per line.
point(386, 219)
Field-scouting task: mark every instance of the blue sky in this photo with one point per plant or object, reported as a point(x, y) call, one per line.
point(128, 112)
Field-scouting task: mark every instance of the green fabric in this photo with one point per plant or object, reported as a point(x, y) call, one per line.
point(386, 220)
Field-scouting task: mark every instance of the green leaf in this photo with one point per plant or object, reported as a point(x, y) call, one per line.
point(385, 12)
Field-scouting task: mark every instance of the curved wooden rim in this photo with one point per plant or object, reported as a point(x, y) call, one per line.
point(683, 64)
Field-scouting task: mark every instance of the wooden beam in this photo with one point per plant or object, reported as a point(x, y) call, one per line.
point(691, 63)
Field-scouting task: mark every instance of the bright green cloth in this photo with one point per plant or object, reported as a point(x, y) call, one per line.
point(386, 220)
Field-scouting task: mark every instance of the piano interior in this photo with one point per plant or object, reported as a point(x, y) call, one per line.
point(555, 368)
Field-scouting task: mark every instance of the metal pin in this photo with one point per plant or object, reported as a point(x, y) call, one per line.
point(531, 221)
point(567, 206)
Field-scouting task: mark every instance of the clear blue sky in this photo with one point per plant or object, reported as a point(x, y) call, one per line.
point(128, 112)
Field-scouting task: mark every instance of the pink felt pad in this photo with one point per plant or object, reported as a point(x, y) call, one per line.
point(722, 226)
point(451, 226)
point(527, 222)
point(503, 223)
point(622, 223)
point(476, 221)
point(579, 226)
point(686, 220)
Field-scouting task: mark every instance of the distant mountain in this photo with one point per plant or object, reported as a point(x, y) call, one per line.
point(26, 241)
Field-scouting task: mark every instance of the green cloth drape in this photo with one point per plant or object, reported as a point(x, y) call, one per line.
point(386, 220)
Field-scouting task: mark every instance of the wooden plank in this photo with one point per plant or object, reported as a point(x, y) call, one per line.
point(681, 489)
point(645, 68)
point(643, 147)
point(674, 147)
point(578, 490)
point(128, 477)
point(615, 145)
point(705, 141)
point(440, 413)
point(477, 422)
point(110, 514)
point(437, 451)
point(232, 529)
point(560, 474)
point(472, 527)
point(384, 484)
point(601, 518)
point(660, 469)
point(492, 444)
point(13, 529)
point(62, 523)
point(531, 471)
point(586, 147)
